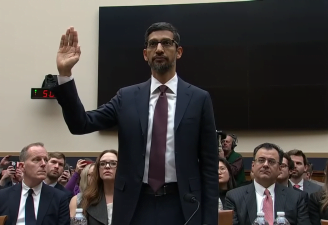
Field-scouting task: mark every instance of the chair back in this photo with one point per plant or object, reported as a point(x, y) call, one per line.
point(324, 222)
point(225, 217)
point(3, 220)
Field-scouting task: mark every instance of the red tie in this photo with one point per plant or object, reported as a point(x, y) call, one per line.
point(297, 186)
point(268, 207)
point(156, 173)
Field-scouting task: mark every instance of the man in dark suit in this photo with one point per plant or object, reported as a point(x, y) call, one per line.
point(167, 136)
point(287, 167)
point(54, 169)
point(264, 194)
point(296, 179)
point(31, 201)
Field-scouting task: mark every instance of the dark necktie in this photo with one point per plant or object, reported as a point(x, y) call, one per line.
point(156, 173)
point(29, 209)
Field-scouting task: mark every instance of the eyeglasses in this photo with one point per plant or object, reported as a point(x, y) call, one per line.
point(222, 169)
point(166, 43)
point(112, 164)
point(262, 160)
point(283, 165)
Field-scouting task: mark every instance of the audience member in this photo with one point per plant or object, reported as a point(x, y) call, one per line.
point(234, 158)
point(86, 176)
point(308, 175)
point(226, 181)
point(31, 201)
point(264, 194)
point(54, 169)
point(11, 177)
point(65, 176)
point(73, 184)
point(296, 179)
point(287, 167)
point(97, 199)
point(318, 203)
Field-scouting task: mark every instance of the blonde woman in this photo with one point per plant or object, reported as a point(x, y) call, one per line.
point(86, 176)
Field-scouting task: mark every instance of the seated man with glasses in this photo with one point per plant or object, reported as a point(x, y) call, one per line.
point(264, 194)
point(287, 167)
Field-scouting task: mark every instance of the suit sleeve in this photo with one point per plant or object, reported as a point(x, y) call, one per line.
point(231, 205)
point(77, 119)
point(208, 161)
point(314, 210)
point(63, 213)
point(302, 211)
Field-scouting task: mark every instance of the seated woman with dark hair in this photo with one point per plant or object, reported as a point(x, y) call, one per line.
point(226, 180)
point(97, 199)
point(318, 203)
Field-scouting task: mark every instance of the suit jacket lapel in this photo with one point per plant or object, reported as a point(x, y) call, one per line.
point(279, 199)
point(46, 196)
point(15, 197)
point(142, 101)
point(99, 211)
point(251, 203)
point(183, 98)
point(306, 185)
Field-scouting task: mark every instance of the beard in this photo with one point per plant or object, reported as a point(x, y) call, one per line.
point(161, 67)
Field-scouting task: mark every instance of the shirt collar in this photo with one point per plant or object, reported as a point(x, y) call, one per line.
point(36, 189)
point(52, 185)
point(171, 84)
point(260, 189)
point(300, 183)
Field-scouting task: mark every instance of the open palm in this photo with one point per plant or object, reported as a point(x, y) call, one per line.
point(69, 52)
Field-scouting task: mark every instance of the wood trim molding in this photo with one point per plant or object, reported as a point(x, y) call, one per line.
point(95, 154)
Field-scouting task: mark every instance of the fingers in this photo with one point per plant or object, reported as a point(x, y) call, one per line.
point(78, 50)
point(75, 39)
point(71, 36)
point(66, 37)
point(62, 39)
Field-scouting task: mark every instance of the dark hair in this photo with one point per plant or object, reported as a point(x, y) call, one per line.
point(23, 153)
point(57, 155)
point(162, 26)
point(231, 181)
point(298, 153)
point(269, 146)
point(93, 193)
point(290, 162)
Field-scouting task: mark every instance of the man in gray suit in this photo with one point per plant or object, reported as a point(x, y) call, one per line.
point(296, 179)
point(264, 194)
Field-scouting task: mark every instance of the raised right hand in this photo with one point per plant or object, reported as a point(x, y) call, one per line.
point(69, 52)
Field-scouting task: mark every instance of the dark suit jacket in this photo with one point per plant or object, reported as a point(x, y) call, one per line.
point(243, 201)
point(68, 194)
point(196, 147)
point(310, 187)
point(97, 214)
point(315, 212)
point(303, 193)
point(53, 207)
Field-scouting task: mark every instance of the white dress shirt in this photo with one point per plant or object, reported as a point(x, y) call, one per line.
point(260, 196)
point(24, 194)
point(300, 184)
point(171, 93)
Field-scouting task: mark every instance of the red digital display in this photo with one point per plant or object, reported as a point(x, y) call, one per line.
point(41, 93)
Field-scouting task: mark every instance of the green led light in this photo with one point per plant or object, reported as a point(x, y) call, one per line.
point(35, 92)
